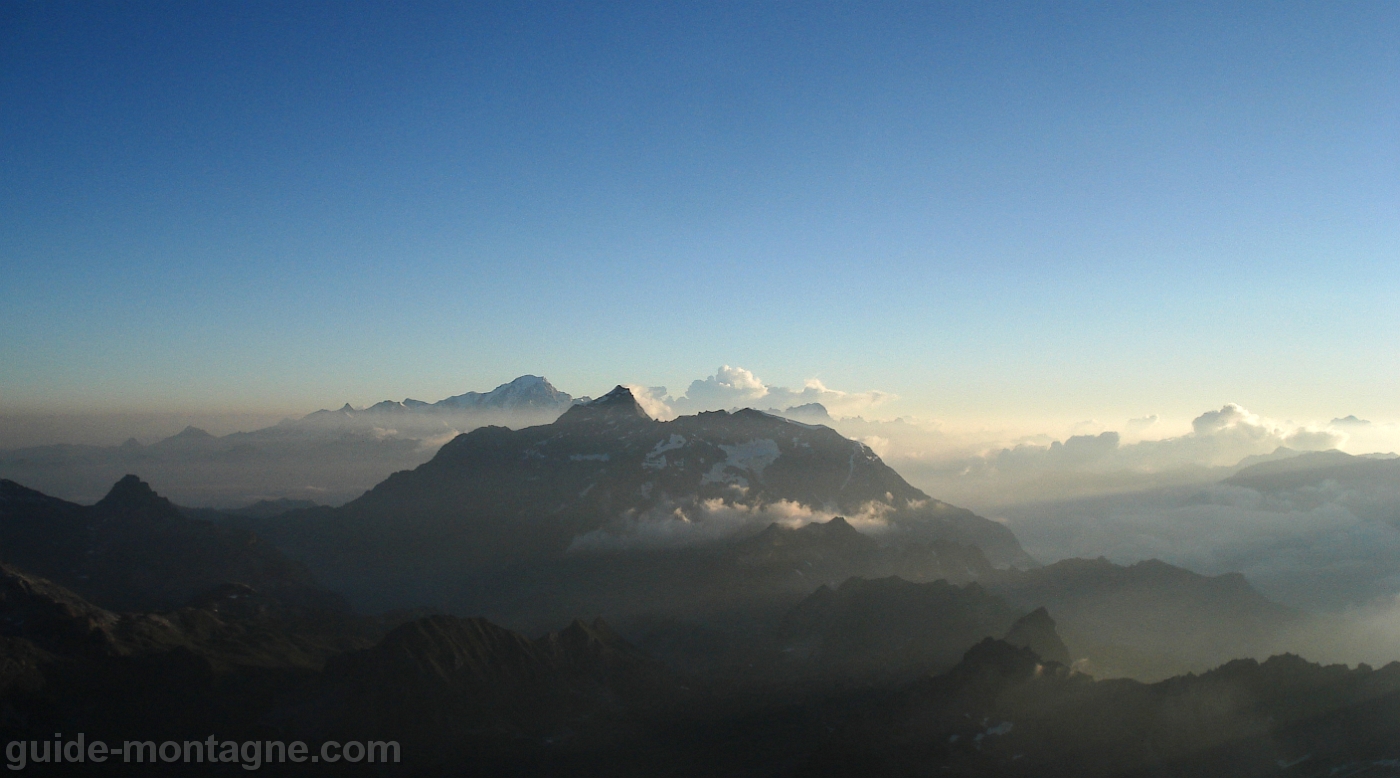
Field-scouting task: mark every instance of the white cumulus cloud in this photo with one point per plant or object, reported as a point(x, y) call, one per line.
point(736, 387)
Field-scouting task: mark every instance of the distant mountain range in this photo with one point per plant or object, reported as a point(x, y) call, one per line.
point(328, 456)
point(528, 396)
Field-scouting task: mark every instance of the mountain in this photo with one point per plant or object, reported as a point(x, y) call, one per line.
point(606, 478)
point(1036, 631)
point(1150, 619)
point(1005, 711)
point(810, 413)
point(453, 689)
point(529, 396)
point(233, 661)
point(328, 456)
point(889, 628)
point(465, 696)
point(456, 696)
point(526, 392)
point(134, 550)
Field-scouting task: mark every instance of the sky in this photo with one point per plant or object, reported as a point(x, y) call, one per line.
point(991, 213)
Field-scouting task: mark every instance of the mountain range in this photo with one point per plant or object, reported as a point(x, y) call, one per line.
point(328, 456)
point(728, 593)
point(134, 550)
point(606, 478)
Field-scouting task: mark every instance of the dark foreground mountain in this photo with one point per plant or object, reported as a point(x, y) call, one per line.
point(466, 697)
point(457, 696)
point(605, 478)
point(465, 694)
point(219, 664)
point(1003, 711)
point(134, 550)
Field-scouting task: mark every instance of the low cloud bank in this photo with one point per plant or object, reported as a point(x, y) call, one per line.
point(984, 474)
point(1309, 550)
point(676, 524)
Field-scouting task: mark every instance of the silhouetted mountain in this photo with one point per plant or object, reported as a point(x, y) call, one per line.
point(607, 478)
point(134, 550)
point(467, 697)
point(1036, 631)
point(222, 663)
point(1150, 619)
point(712, 606)
point(448, 687)
point(1003, 711)
point(890, 629)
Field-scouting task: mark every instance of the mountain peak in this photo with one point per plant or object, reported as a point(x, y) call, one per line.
point(1036, 631)
point(525, 392)
point(131, 493)
point(814, 413)
point(617, 405)
point(837, 528)
point(191, 432)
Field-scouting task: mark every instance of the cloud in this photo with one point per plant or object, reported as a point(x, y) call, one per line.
point(1304, 547)
point(1218, 438)
point(679, 524)
point(728, 387)
point(987, 473)
point(736, 387)
point(1138, 425)
point(837, 402)
point(653, 400)
point(1231, 415)
point(1312, 440)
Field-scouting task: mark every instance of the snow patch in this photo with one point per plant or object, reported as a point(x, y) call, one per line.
point(753, 457)
point(656, 458)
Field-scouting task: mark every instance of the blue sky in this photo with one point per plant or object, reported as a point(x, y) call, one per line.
point(990, 210)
